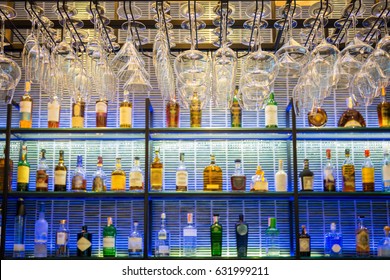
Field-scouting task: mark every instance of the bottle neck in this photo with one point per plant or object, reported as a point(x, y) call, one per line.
point(215, 219)
point(61, 159)
point(162, 223)
point(136, 163)
point(41, 215)
point(118, 164)
point(280, 165)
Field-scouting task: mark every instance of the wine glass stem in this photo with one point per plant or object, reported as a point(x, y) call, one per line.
point(224, 29)
point(193, 31)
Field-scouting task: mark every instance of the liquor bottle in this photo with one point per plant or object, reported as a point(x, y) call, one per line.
point(259, 182)
point(216, 237)
point(195, 111)
point(307, 177)
point(172, 112)
point(2, 170)
point(53, 112)
point(60, 174)
point(235, 110)
point(351, 117)
point(136, 177)
point(23, 181)
point(362, 239)
point(383, 110)
point(101, 112)
point(41, 234)
point(304, 243)
point(212, 176)
point(238, 179)
point(84, 243)
point(78, 113)
point(99, 178)
point(26, 106)
point(281, 179)
point(386, 171)
point(272, 239)
point(181, 175)
point(42, 178)
point(329, 178)
point(384, 244)
point(109, 238)
point(79, 183)
point(190, 234)
point(156, 172)
point(62, 240)
point(317, 117)
point(242, 231)
point(333, 242)
point(163, 246)
point(348, 172)
point(135, 244)
point(271, 112)
point(19, 229)
point(125, 112)
point(368, 173)
point(118, 177)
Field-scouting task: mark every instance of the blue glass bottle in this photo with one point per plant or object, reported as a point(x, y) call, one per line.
point(20, 225)
point(333, 242)
point(384, 244)
point(41, 232)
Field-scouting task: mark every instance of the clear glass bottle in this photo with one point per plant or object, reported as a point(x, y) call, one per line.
point(172, 113)
point(79, 181)
point(84, 243)
point(333, 242)
point(271, 112)
point(304, 243)
point(362, 239)
point(78, 113)
point(238, 179)
point(195, 111)
point(216, 237)
point(26, 107)
point(42, 178)
point(351, 117)
point(118, 177)
point(368, 173)
point(212, 176)
point(190, 235)
point(23, 180)
point(156, 172)
point(384, 244)
point(19, 229)
point(109, 239)
point(41, 234)
point(242, 231)
point(53, 112)
point(348, 172)
point(383, 110)
point(99, 178)
point(329, 178)
point(125, 112)
point(281, 178)
point(62, 240)
point(181, 175)
point(272, 239)
point(60, 174)
point(386, 170)
point(136, 177)
point(235, 110)
point(10, 171)
point(135, 242)
point(163, 242)
point(259, 183)
point(307, 177)
point(101, 113)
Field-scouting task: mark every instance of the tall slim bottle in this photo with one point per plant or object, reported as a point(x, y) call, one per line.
point(101, 113)
point(99, 178)
point(190, 235)
point(79, 181)
point(42, 178)
point(329, 178)
point(53, 112)
point(272, 239)
point(281, 178)
point(216, 237)
point(172, 113)
point(242, 232)
point(60, 174)
point(41, 234)
point(26, 107)
point(19, 229)
point(78, 113)
point(136, 177)
point(156, 172)
point(23, 180)
point(10, 171)
point(271, 112)
point(135, 242)
point(383, 110)
point(368, 173)
point(195, 111)
point(109, 239)
point(125, 112)
point(62, 240)
point(235, 110)
point(84, 243)
point(362, 239)
point(181, 175)
point(163, 242)
point(304, 243)
point(348, 172)
point(118, 177)
point(386, 171)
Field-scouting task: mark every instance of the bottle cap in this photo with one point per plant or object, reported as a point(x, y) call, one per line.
point(333, 226)
point(136, 158)
point(190, 217)
point(27, 86)
point(84, 228)
point(237, 161)
point(361, 216)
point(163, 216)
point(347, 152)
point(181, 156)
point(136, 223)
point(21, 209)
point(241, 217)
point(109, 221)
point(216, 215)
point(62, 222)
point(366, 153)
point(272, 222)
point(100, 160)
point(43, 152)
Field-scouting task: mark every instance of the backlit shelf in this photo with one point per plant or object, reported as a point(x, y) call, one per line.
point(344, 134)
point(77, 195)
point(344, 195)
point(220, 195)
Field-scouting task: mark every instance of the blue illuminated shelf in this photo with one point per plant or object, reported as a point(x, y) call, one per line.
point(77, 195)
point(344, 134)
point(344, 195)
point(2, 134)
point(202, 195)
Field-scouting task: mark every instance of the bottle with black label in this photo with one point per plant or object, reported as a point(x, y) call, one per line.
point(307, 177)
point(304, 243)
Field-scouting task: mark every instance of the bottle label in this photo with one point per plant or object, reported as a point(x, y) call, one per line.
point(386, 172)
point(136, 179)
point(190, 232)
point(156, 177)
point(18, 247)
point(308, 183)
point(348, 172)
point(172, 112)
point(336, 248)
point(78, 182)
point(125, 116)
point(23, 174)
point(352, 123)
point(238, 183)
point(163, 249)
point(25, 107)
point(162, 235)
point(271, 115)
point(281, 182)
point(61, 238)
point(261, 186)
point(118, 182)
point(60, 177)
point(242, 229)
point(53, 111)
point(368, 175)
point(108, 242)
point(83, 244)
point(101, 107)
point(196, 117)
point(329, 181)
point(77, 122)
point(212, 186)
point(135, 244)
point(236, 116)
point(362, 242)
point(385, 111)
point(304, 245)
point(182, 178)
point(98, 184)
point(42, 179)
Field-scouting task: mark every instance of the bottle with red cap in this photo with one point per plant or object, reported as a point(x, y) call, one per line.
point(368, 172)
point(329, 178)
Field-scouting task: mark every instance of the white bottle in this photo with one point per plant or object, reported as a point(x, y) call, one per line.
point(281, 179)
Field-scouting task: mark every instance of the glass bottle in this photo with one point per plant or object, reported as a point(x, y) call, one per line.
point(238, 179)
point(26, 107)
point(60, 174)
point(235, 110)
point(348, 172)
point(101, 112)
point(135, 243)
point(125, 112)
point(23, 180)
point(368, 173)
point(317, 117)
point(383, 110)
point(272, 239)
point(42, 178)
point(99, 178)
point(156, 172)
point(271, 112)
point(172, 112)
point(118, 177)
point(19, 229)
point(351, 117)
point(2, 170)
point(181, 175)
point(281, 179)
point(136, 177)
point(195, 111)
point(53, 112)
point(84, 243)
point(216, 237)
point(362, 239)
point(41, 234)
point(329, 178)
point(333, 242)
point(259, 182)
point(163, 246)
point(62, 240)
point(307, 177)
point(78, 113)
point(304, 243)
point(242, 231)
point(384, 244)
point(212, 176)
point(386, 171)
point(79, 182)
point(190, 234)
point(109, 238)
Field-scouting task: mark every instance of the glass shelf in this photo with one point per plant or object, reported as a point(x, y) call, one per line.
point(77, 195)
point(344, 195)
point(344, 134)
point(202, 195)
point(2, 134)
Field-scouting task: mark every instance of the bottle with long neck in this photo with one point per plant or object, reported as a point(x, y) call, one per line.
point(99, 178)
point(181, 175)
point(79, 182)
point(26, 107)
point(78, 113)
point(216, 237)
point(109, 239)
point(135, 244)
point(190, 234)
point(242, 232)
point(101, 112)
point(348, 172)
point(62, 240)
point(53, 112)
point(19, 229)
point(329, 178)
point(383, 110)
point(235, 110)
point(163, 246)
point(271, 112)
point(362, 239)
point(281, 179)
point(41, 234)
point(368, 173)
point(60, 174)
point(386, 171)
point(212, 176)
point(156, 172)
point(195, 111)
point(42, 179)
point(2, 170)
point(238, 179)
point(125, 112)
point(118, 177)
point(136, 177)
point(23, 180)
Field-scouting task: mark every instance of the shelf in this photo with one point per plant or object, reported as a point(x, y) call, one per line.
point(2, 134)
point(344, 134)
point(78, 134)
point(154, 258)
point(77, 195)
point(344, 195)
point(202, 195)
point(220, 133)
point(345, 258)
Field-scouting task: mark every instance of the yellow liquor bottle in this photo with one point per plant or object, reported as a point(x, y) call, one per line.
point(118, 177)
point(212, 176)
point(156, 172)
point(195, 111)
point(26, 106)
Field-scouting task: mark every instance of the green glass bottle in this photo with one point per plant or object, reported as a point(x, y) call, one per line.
point(23, 172)
point(109, 236)
point(216, 237)
point(271, 112)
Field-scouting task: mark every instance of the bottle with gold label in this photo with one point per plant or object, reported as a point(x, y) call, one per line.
point(101, 112)
point(307, 177)
point(368, 172)
point(42, 180)
point(53, 112)
point(259, 182)
point(181, 175)
point(235, 111)
point(383, 110)
point(23, 180)
point(136, 177)
point(212, 176)
point(195, 111)
point(99, 177)
point(348, 172)
point(362, 239)
point(26, 106)
point(78, 112)
point(60, 174)
point(156, 172)
point(172, 113)
point(271, 112)
point(351, 117)
point(79, 182)
point(118, 177)
point(125, 112)
point(2, 170)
